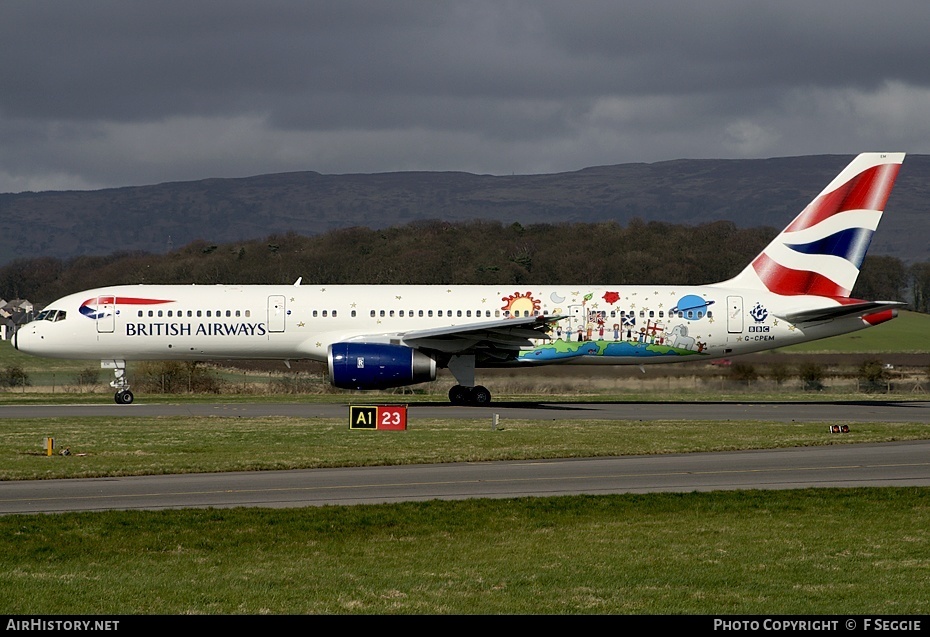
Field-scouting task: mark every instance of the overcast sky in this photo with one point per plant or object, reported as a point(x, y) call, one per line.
point(97, 94)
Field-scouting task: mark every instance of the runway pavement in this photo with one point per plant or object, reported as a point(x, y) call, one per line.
point(836, 411)
point(844, 465)
point(867, 465)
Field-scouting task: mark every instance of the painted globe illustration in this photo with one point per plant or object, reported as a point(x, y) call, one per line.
point(692, 307)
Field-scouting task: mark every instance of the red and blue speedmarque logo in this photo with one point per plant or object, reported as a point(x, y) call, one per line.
point(100, 307)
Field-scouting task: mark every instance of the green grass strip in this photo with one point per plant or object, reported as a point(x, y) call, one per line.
point(162, 445)
point(862, 551)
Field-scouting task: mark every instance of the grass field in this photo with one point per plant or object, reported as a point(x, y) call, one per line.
point(122, 446)
point(807, 552)
point(817, 552)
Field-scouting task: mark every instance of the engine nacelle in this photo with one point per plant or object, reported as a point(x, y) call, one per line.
point(378, 366)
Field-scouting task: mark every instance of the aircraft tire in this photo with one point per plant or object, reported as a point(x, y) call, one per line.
point(458, 395)
point(479, 395)
point(124, 397)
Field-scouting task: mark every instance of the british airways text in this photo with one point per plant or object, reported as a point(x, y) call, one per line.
point(198, 329)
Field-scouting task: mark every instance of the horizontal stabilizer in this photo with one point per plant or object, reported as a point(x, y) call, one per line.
point(839, 311)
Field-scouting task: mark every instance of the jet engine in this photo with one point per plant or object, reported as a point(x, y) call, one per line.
point(378, 366)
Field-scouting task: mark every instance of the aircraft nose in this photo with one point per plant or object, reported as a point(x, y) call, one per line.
point(21, 339)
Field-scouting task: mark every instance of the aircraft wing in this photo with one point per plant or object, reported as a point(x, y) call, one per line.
point(505, 335)
point(861, 309)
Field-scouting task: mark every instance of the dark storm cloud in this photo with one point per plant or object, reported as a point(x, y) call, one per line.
point(115, 93)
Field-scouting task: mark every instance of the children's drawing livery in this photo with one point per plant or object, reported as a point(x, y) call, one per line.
point(376, 337)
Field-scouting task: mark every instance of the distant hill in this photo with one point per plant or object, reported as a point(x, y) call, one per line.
point(157, 218)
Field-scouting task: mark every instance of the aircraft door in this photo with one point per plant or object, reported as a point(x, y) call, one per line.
point(277, 310)
point(106, 314)
point(734, 314)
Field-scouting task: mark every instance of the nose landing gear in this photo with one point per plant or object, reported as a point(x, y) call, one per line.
point(122, 396)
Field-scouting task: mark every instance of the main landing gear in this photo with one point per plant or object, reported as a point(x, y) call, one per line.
point(122, 396)
point(460, 395)
point(466, 392)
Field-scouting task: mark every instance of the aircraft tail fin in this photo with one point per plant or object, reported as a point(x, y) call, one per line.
point(821, 251)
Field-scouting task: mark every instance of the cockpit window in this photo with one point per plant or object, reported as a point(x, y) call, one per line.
point(51, 315)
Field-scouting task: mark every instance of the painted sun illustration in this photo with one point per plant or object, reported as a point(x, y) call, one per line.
point(521, 304)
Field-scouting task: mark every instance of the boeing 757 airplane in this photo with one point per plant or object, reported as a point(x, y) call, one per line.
point(383, 336)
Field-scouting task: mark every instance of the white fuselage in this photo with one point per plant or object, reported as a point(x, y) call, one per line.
point(601, 324)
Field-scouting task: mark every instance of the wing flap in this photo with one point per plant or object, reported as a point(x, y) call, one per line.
point(511, 334)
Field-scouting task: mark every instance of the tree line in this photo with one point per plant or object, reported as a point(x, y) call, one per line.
point(438, 252)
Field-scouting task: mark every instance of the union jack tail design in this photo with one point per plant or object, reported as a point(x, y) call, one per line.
point(821, 251)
